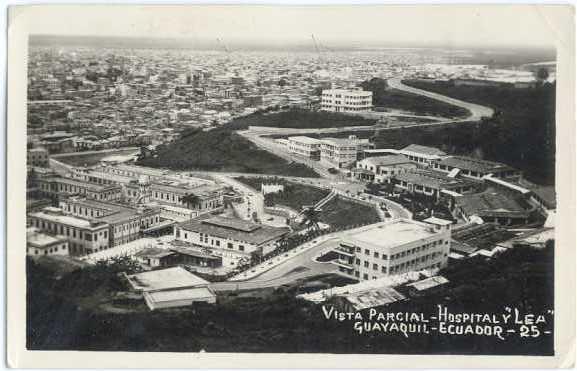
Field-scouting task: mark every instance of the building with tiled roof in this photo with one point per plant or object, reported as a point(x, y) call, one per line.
point(493, 206)
point(432, 183)
point(230, 237)
point(474, 168)
point(381, 168)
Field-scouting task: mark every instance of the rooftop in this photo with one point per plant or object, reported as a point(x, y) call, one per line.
point(431, 151)
point(153, 252)
point(374, 298)
point(178, 295)
point(56, 215)
point(163, 279)
point(473, 164)
point(433, 179)
point(344, 141)
point(235, 229)
point(81, 184)
point(38, 239)
point(348, 92)
point(428, 283)
point(387, 160)
point(490, 202)
point(113, 212)
point(390, 234)
point(303, 139)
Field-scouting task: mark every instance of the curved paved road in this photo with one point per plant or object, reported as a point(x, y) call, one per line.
point(286, 272)
point(477, 111)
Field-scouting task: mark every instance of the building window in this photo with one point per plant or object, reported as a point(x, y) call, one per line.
point(366, 264)
point(384, 269)
point(365, 276)
point(241, 247)
point(229, 245)
point(376, 255)
point(367, 252)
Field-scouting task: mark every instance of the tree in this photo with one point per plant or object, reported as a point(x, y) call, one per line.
point(373, 188)
point(377, 86)
point(542, 74)
point(311, 217)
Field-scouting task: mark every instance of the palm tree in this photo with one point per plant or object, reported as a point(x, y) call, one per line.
point(311, 217)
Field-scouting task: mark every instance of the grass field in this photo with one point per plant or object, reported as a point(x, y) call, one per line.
point(340, 213)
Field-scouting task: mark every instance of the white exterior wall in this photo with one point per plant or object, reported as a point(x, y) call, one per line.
point(386, 172)
point(346, 100)
point(220, 246)
point(427, 253)
point(78, 244)
point(303, 148)
point(55, 249)
point(339, 156)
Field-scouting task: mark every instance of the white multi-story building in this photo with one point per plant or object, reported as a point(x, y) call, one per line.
point(342, 152)
point(341, 100)
point(42, 244)
point(84, 236)
point(305, 146)
point(380, 169)
point(394, 247)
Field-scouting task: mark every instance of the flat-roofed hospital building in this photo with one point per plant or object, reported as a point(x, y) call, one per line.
point(394, 247)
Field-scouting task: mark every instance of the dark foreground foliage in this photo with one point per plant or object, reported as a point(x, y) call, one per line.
point(59, 318)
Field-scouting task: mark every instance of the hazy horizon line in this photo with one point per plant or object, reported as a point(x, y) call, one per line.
point(245, 43)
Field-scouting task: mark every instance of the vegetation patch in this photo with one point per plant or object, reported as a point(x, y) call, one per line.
point(300, 119)
point(221, 150)
point(342, 213)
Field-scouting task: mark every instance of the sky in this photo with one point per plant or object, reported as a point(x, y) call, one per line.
point(448, 25)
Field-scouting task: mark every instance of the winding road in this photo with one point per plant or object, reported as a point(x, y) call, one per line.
point(476, 111)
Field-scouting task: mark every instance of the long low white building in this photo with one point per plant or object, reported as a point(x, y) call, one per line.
point(230, 237)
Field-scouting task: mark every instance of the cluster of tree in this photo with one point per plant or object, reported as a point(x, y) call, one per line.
point(299, 118)
point(221, 149)
point(388, 98)
point(519, 278)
